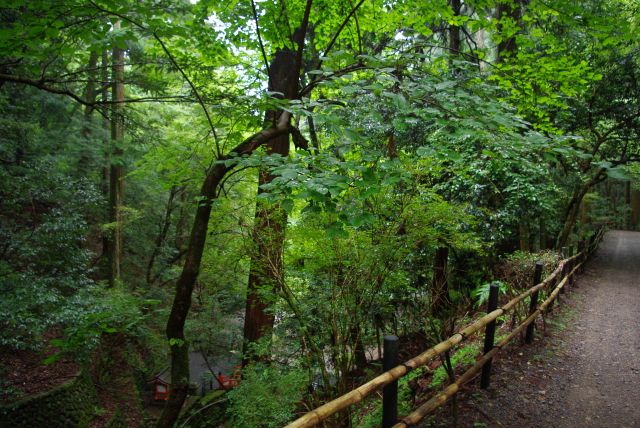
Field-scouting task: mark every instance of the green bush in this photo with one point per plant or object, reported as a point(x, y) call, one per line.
point(517, 269)
point(43, 229)
point(267, 396)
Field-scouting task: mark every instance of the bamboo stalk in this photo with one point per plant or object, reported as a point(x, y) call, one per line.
point(323, 412)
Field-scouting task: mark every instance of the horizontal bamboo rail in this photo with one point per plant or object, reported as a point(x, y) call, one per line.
point(321, 413)
point(467, 376)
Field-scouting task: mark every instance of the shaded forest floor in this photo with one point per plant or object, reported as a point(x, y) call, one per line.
point(23, 373)
point(584, 370)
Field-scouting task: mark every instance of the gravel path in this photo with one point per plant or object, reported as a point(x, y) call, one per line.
point(585, 371)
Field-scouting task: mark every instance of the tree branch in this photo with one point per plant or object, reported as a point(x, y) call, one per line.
point(335, 36)
point(301, 36)
point(42, 84)
point(264, 55)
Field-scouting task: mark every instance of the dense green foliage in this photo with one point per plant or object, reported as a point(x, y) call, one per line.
point(402, 147)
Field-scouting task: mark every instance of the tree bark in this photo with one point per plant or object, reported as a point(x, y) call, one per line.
point(162, 234)
point(573, 208)
point(266, 270)
point(184, 286)
point(106, 149)
point(512, 10)
point(523, 235)
point(440, 290)
point(542, 233)
point(480, 42)
point(90, 98)
point(116, 175)
point(454, 31)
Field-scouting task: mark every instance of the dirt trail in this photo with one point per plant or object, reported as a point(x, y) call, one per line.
point(585, 372)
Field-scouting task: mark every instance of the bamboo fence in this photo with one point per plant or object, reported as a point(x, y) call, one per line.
point(321, 413)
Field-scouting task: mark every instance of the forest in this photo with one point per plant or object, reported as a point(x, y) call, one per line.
point(233, 202)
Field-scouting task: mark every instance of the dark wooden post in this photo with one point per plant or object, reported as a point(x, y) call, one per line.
point(537, 276)
point(489, 334)
point(582, 249)
point(390, 391)
point(571, 265)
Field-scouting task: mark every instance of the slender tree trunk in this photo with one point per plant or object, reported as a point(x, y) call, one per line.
point(315, 144)
point(571, 216)
point(162, 234)
point(106, 150)
point(440, 290)
point(182, 230)
point(266, 270)
point(454, 31)
point(357, 332)
point(116, 175)
point(584, 212)
point(573, 208)
point(523, 234)
point(481, 45)
point(90, 97)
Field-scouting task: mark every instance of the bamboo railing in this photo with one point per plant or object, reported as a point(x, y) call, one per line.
point(569, 266)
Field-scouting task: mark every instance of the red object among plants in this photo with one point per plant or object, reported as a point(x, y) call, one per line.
point(160, 390)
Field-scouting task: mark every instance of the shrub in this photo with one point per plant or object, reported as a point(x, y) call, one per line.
point(266, 397)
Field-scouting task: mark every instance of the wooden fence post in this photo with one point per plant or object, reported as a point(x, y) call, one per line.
point(537, 277)
point(571, 266)
point(489, 334)
point(565, 268)
point(390, 391)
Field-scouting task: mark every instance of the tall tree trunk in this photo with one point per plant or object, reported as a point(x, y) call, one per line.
point(116, 176)
point(584, 212)
point(480, 42)
point(90, 98)
point(162, 234)
point(266, 270)
point(542, 233)
point(573, 208)
point(509, 10)
point(184, 286)
point(454, 31)
point(571, 216)
point(106, 149)
point(191, 268)
point(523, 235)
point(182, 231)
point(440, 289)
